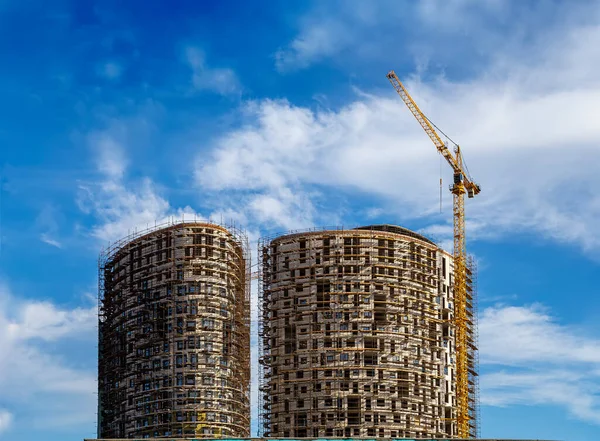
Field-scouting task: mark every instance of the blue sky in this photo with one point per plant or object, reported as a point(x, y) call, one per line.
point(277, 115)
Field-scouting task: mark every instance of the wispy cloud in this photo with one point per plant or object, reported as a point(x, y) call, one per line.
point(263, 184)
point(44, 321)
point(119, 205)
point(342, 29)
point(44, 237)
point(33, 378)
point(529, 358)
point(576, 392)
point(318, 39)
point(537, 335)
point(111, 160)
point(375, 147)
point(6, 419)
point(220, 80)
point(333, 28)
point(47, 222)
point(282, 207)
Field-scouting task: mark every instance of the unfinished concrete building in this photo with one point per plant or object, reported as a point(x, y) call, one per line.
point(356, 336)
point(174, 330)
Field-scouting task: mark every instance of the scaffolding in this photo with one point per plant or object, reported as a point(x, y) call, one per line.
point(473, 352)
point(356, 335)
point(174, 333)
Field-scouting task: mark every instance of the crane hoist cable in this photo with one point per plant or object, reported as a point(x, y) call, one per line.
point(464, 163)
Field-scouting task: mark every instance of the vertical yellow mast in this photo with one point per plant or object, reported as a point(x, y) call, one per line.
point(462, 184)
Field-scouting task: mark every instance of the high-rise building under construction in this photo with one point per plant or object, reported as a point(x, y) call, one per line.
point(174, 334)
point(357, 337)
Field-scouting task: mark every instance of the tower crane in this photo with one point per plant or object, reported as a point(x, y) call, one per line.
point(463, 184)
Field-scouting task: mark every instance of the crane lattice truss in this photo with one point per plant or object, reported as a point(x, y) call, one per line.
point(462, 184)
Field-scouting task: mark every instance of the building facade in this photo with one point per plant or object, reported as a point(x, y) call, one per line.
point(356, 335)
point(174, 330)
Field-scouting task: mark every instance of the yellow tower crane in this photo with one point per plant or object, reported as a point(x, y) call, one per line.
point(462, 184)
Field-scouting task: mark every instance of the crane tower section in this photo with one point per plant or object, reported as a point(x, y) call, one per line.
point(463, 304)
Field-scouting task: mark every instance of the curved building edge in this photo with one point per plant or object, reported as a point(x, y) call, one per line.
point(174, 333)
point(364, 316)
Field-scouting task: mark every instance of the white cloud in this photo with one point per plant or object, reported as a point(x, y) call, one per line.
point(537, 336)
point(111, 160)
point(43, 320)
point(47, 222)
point(6, 419)
point(34, 378)
point(120, 209)
point(316, 41)
point(50, 241)
point(578, 393)
point(334, 27)
point(530, 359)
point(284, 208)
point(352, 30)
point(220, 80)
point(121, 206)
point(456, 14)
point(536, 161)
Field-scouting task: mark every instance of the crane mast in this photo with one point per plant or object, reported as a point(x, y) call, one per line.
point(462, 185)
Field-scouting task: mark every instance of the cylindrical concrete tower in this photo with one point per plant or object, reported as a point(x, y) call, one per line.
point(174, 358)
point(356, 334)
